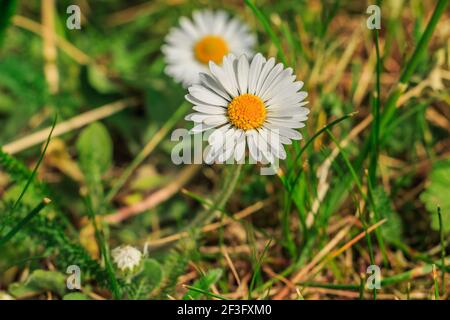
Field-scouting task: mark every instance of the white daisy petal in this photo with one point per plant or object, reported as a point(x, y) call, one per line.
point(271, 77)
point(215, 120)
point(205, 95)
point(287, 123)
point(252, 148)
point(282, 81)
point(212, 84)
point(221, 75)
point(228, 66)
point(218, 134)
point(240, 147)
point(210, 109)
point(255, 69)
point(200, 128)
point(264, 72)
point(189, 28)
point(242, 73)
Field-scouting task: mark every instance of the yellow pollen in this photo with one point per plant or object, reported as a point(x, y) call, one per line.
point(246, 112)
point(210, 48)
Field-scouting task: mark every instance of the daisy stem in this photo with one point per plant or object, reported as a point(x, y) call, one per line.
point(231, 179)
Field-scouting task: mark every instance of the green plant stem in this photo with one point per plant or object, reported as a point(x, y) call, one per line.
point(36, 167)
point(113, 283)
point(221, 199)
point(148, 148)
point(24, 221)
point(290, 186)
point(442, 241)
point(375, 133)
point(435, 281)
point(362, 284)
point(257, 268)
point(205, 292)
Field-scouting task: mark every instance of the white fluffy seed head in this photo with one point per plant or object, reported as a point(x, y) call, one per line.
point(126, 258)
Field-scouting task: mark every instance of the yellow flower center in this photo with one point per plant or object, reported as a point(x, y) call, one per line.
point(210, 48)
point(246, 112)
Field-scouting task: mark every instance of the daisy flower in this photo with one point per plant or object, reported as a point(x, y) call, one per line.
point(208, 37)
point(257, 104)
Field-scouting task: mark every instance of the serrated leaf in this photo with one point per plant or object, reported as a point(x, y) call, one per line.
point(436, 194)
point(204, 283)
point(393, 228)
point(40, 281)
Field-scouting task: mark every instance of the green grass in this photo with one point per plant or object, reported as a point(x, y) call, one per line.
point(363, 157)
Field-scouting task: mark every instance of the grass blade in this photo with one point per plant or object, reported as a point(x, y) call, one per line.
point(375, 133)
point(307, 144)
point(113, 283)
point(24, 221)
point(206, 293)
point(262, 18)
point(442, 241)
point(36, 167)
point(436, 285)
point(7, 10)
point(257, 268)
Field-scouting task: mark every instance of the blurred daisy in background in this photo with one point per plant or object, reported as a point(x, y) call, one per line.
point(256, 104)
point(208, 37)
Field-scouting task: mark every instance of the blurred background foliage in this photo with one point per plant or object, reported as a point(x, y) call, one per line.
point(116, 55)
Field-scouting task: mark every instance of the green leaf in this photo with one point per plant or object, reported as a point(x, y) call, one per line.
point(40, 281)
point(436, 194)
point(76, 296)
point(100, 81)
point(95, 149)
point(148, 279)
point(204, 283)
point(95, 156)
